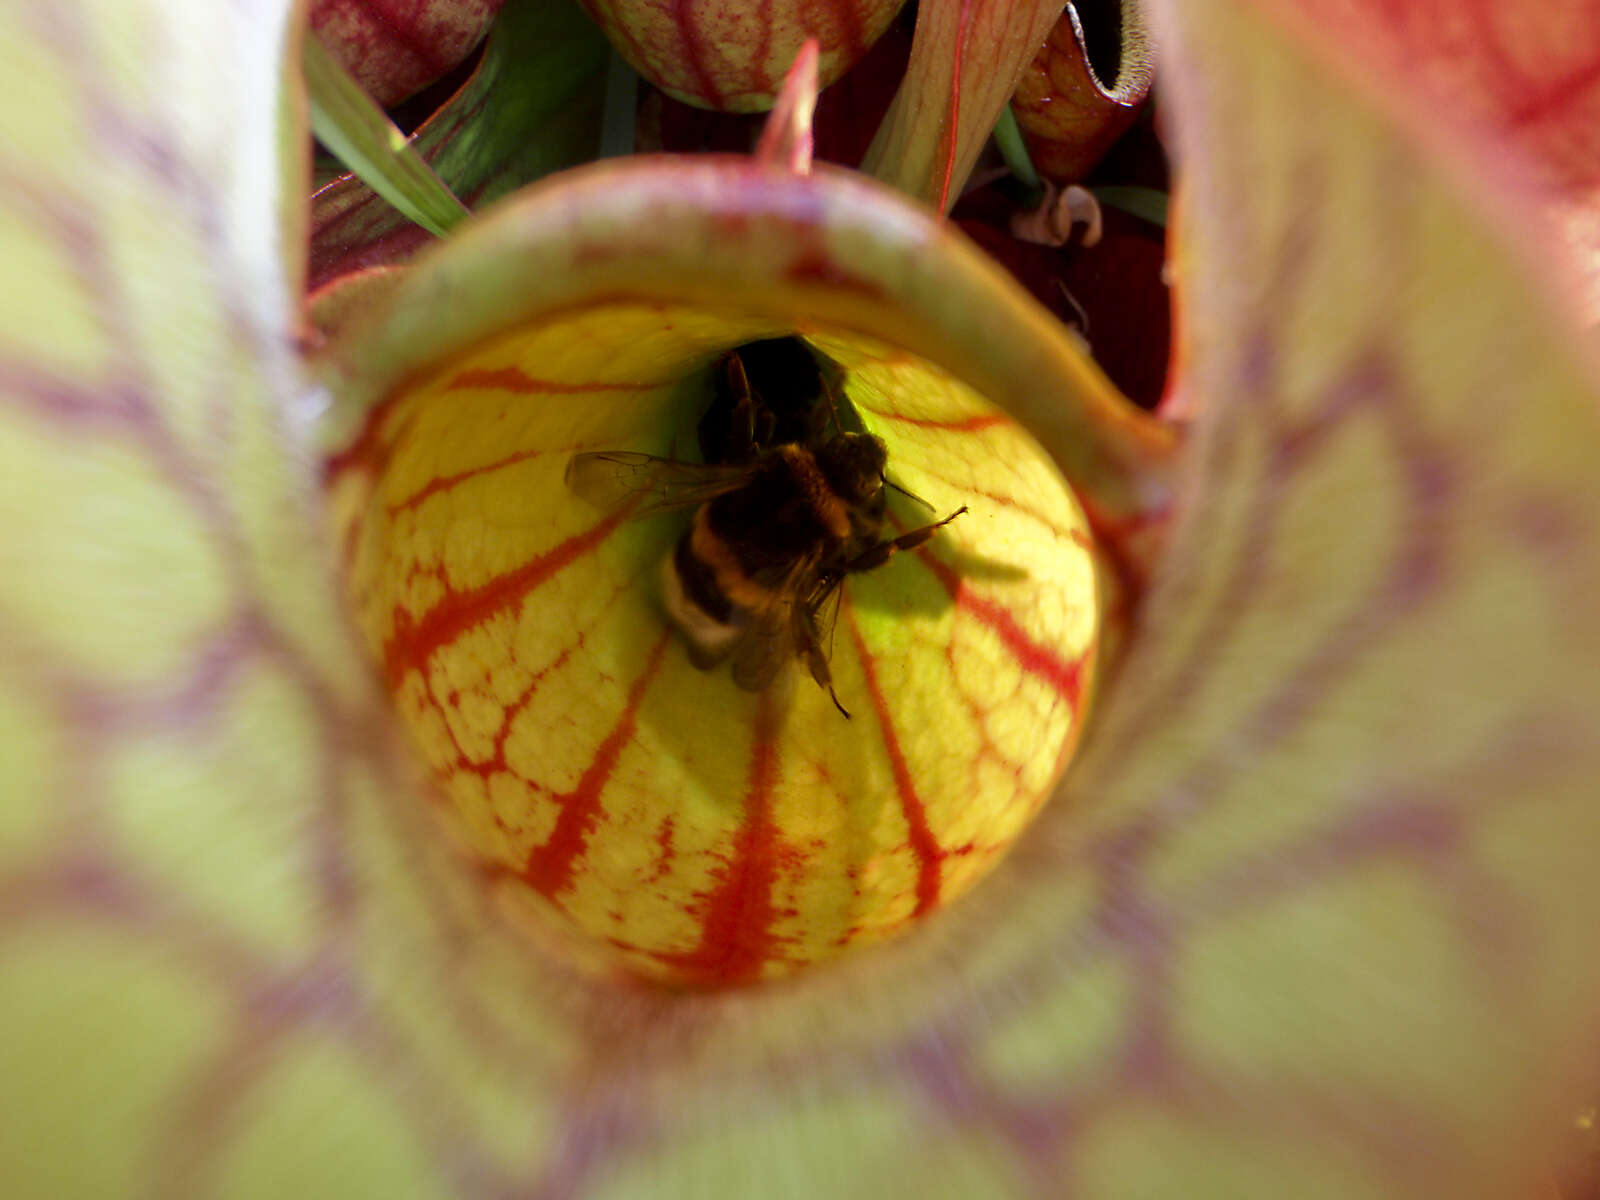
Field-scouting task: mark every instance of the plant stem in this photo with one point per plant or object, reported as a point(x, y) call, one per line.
point(1008, 137)
point(1140, 201)
point(621, 109)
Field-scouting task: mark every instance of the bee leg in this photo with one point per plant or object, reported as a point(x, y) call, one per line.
point(824, 676)
point(818, 417)
point(810, 641)
point(916, 537)
point(834, 696)
point(742, 437)
point(876, 556)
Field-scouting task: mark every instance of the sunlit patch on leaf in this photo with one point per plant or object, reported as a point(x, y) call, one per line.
point(704, 834)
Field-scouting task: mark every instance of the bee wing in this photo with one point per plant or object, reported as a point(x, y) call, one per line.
point(764, 648)
point(813, 623)
point(823, 617)
point(612, 478)
point(770, 639)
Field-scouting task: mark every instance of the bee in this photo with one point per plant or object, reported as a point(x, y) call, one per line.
point(787, 504)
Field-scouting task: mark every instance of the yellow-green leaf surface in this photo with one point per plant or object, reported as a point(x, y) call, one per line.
point(184, 727)
point(1314, 920)
point(1370, 704)
point(522, 630)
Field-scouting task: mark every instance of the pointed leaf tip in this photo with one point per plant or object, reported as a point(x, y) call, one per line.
point(786, 138)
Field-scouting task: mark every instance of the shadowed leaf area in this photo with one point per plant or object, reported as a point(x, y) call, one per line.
point(1111, 293)
point(1316, 918)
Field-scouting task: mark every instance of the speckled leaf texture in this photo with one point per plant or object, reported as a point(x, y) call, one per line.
point(1313, 915)
point(397, 47)
point(731, 55)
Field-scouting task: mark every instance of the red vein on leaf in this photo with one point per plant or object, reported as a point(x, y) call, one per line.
point(1012, 503)
point(816, 266)
point(1558, 99)
point(973, 424)
point(443, 483)
point(416, 640)
point(955, 105)
point(373, 443)
point(694, 48)
point(763, 46)
point(924, 846)
point(667, 846)
point(497, 763)
point(1037, 659)
point(515, 379)
point(736, 937)
point(549, 868)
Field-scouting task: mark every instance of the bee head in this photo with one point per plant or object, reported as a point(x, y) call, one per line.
point(853, 465)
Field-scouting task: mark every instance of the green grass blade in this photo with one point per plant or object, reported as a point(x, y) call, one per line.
point(348, 122)
point(1140, 201)
point(1008, 139)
